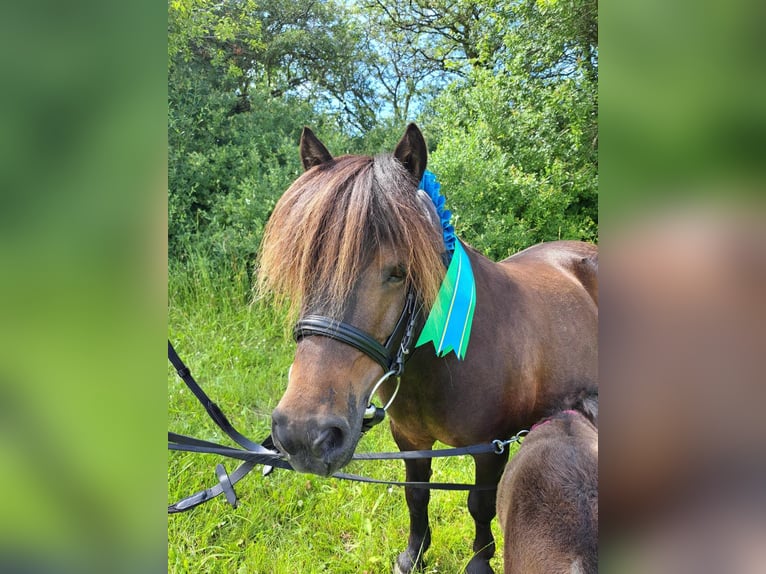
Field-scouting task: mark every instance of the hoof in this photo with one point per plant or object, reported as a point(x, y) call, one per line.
point(405, 563)
point(479, 566)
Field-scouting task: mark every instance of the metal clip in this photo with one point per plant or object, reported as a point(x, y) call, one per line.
point(501, 444)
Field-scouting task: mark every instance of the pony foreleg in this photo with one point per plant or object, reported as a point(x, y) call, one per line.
point(417, 503)
point(481, 505)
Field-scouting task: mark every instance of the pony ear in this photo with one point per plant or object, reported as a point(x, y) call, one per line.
point(312, 150)
point(412, 152)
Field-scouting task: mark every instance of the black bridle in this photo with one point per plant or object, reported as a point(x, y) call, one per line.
point(389, 355)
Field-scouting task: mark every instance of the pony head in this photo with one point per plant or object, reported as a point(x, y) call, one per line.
point(346, 241)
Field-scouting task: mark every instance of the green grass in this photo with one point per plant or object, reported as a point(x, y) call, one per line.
point(286, 522)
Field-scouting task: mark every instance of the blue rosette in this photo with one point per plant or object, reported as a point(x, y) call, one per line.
point(431, 186)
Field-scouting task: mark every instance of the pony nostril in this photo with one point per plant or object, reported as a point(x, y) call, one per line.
point(328, 440)
point(312, 438)
point(279, 432)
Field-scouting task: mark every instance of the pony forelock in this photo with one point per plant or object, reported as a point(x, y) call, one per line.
point(330, 224)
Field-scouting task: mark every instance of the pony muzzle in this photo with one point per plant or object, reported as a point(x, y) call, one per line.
point(319, 445)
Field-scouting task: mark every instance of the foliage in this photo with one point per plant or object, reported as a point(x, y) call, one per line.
point(454, 35)
point(244, 77)
point(517, 138)
point(505, 92)
point(511, 189)
point(404, 76)
point(226, 171)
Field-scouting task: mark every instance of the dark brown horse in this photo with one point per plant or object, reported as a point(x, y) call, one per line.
point(547, 499)
point(349, 242)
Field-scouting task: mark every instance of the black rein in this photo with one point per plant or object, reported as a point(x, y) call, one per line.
point(253, 453)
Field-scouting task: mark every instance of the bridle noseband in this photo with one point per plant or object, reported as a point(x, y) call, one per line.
point(390, 355)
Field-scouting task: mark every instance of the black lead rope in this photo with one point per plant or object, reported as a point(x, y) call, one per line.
point(226, 482)
point(213, 409)
point(253, 454)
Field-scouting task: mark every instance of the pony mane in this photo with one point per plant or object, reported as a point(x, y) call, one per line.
point(333, 220)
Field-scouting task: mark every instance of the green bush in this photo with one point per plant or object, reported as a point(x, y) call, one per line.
point(517, 165)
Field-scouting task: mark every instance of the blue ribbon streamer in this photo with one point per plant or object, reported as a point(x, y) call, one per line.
point(432, 187)
point(449, 323)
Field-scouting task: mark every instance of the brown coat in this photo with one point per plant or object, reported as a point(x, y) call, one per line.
point(547, 499)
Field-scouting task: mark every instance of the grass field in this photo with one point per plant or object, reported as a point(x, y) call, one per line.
point(286, 522)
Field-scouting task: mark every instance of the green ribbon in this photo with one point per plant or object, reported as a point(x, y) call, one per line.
point(448, 325)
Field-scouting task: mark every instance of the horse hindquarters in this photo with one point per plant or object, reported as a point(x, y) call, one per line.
point(529, 547)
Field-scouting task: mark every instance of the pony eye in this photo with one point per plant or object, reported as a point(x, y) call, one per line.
point(396, 275)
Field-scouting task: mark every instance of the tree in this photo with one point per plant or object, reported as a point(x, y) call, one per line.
point(505, 90)
point(517, 140)
point(454, 35)
point(244, 77)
